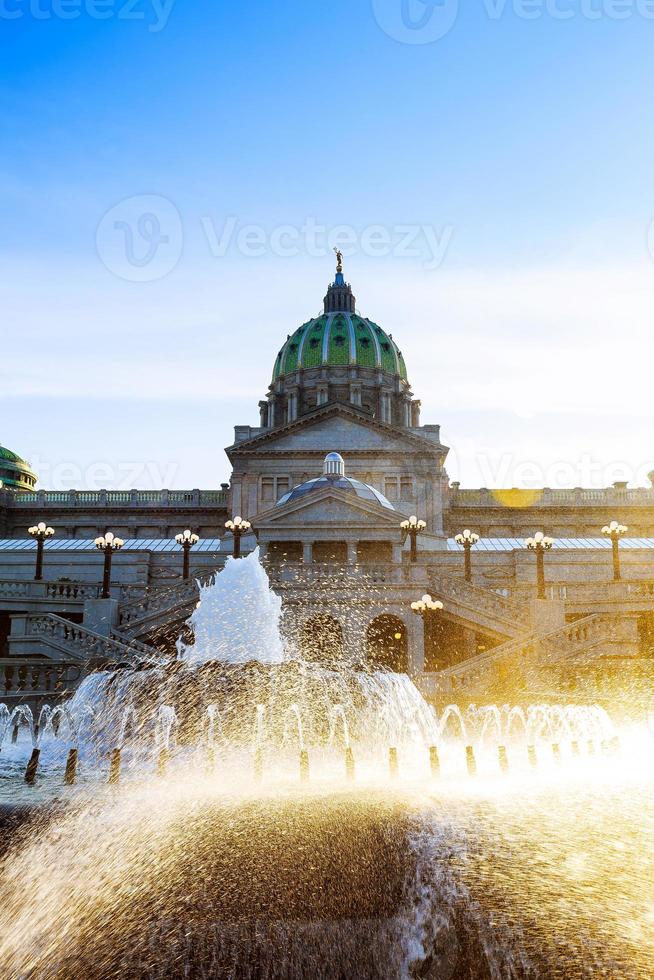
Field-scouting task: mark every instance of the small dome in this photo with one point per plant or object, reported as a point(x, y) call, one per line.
point(15, 473)
point(334, 476)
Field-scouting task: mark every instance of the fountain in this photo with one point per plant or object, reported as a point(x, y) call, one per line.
point(205, 817)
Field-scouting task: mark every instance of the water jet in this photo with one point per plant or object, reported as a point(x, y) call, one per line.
point(304, 766)
point(393, 766)
point(503, 759)
point(471, 762)
point(349, 764)
point(434, 761)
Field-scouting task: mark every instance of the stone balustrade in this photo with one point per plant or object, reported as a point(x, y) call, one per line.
point(36, 679)
point(48, 591)
point(548, 497)
point(484, 670)
point(119, 498)
point(514, 609)
point(83, 644)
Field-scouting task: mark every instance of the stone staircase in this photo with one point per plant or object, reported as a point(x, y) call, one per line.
point(59, 639)
point(157, 609)
point(508, 615)
point(523, 661)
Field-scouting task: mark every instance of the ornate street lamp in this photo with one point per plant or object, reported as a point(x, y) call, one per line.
point(540, 543)
point(108, 543)
point(614, 531)
point(428, 609)
point(426, 605)
point(413, 527)
point(238, 526)
point(467, 539)
point(186, 539)
point(40, 531)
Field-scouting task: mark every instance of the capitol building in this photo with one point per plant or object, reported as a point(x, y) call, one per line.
point(346, 489)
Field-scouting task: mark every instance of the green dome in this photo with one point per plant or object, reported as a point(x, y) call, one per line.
point(15, 472)
point(339, 339)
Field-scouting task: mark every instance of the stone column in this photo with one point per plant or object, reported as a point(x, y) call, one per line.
point(416, 641)
point(307, 552)
point(351, 552)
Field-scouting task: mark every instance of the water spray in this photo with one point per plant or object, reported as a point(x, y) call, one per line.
point(393, 767)
point(574, 746)
point(304, 766)
point(471, 762)
point(434, 761)
point(503, 759)
point(258, 764)
point(209, 760)
point(556, 753)
point(531, 756)
point(349, 763)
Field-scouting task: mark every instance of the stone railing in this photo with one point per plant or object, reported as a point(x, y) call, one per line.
point(38, 678)
point(514, 609)
point(83, 644)
point(532, 652)
point(120, 498)
point(548, 497)
point(157, 603)
point(64, 591)
point(299, 574)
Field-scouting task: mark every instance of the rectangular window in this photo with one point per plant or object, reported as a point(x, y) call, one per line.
point(391, 488)
point(406, 488)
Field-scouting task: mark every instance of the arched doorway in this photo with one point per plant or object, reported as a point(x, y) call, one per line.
point(321, 639)
point(387, 645)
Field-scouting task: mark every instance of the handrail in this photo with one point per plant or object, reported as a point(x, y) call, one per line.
point(93, 644)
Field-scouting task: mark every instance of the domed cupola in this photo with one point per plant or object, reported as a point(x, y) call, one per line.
point(344, 357)
point(15, 473)
point(333, 475)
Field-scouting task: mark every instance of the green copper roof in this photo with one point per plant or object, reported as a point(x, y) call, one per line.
point(339, 339)
point(15, 472)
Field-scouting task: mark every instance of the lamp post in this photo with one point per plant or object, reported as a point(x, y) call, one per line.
point(467, 539)
point(108, 543)
point(413, 527)
point(40, 531)
point(238, 526)
point(540, 543)
point(427, 608)
point(614, 531)
point(186, 539)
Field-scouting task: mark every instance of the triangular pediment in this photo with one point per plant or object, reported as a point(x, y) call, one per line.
point(336, 427)
point(327, 507)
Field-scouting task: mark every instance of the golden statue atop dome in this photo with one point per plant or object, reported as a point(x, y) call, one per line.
point(339, 259)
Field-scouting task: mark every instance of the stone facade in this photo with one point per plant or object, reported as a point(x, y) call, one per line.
point(340, 557)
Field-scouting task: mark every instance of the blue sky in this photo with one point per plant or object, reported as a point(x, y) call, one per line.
point(511, 158)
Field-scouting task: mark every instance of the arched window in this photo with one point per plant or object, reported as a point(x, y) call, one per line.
point(387, 645)
point(321, 639)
